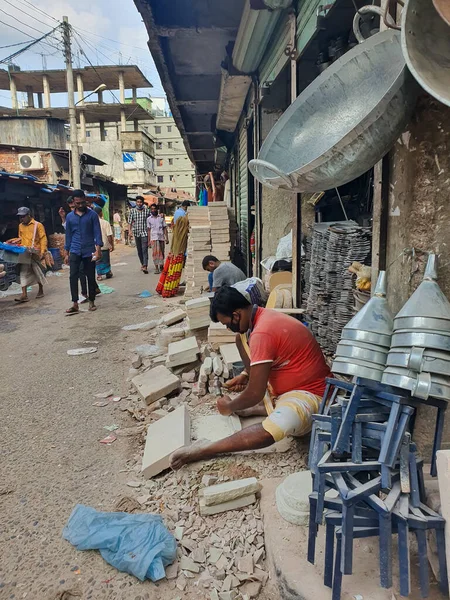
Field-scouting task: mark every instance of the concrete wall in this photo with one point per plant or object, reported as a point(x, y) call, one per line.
point(419, 216)
point(277, 206)
point(33, 133)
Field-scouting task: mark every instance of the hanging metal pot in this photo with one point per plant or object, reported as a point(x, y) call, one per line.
point(430, 339)
point(426, 45)
point(343, 122)
point(357, 368)
point(421, 385)
point(366, 352)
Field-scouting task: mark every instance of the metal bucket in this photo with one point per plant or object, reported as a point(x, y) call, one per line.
point(359, 370)
point(343, 122)
point(426, 45)
point(411, 338)
point(367, 337)
point(366, 352)
point(421, 385)
point(420, 360)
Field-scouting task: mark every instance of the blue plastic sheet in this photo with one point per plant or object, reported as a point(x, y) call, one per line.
point(137, 544)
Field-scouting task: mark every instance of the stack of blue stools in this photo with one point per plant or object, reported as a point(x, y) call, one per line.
point(362, 447)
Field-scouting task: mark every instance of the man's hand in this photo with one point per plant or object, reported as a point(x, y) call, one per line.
point(237, 384)
point(66, 259)
point(223, 406)
point(96, 256)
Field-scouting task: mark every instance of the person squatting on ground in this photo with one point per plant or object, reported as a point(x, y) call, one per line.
point(157, 237)
point(221, 273)
point(285, 382)
point(138, 222)
point(32, 235)
point(83, 245)
point(103, 266)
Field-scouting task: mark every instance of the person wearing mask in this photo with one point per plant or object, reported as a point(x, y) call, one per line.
point(83, 245)
point(103, 266)
point(181, 211)
point(285, 378)
point(157, 237)
point(137, 220)
point(223, 273)
point(32, 235)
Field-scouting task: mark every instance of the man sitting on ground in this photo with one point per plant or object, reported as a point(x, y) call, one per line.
point(223, 273)
point(285, 381)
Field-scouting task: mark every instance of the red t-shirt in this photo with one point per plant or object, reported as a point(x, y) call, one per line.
point(296, 357)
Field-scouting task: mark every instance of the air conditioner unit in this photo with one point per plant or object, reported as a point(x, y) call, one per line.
point(31, 162)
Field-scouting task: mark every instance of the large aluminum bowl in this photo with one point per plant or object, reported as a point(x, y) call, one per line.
point(343, 123)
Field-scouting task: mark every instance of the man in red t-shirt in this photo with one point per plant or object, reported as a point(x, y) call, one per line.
point(285, 380)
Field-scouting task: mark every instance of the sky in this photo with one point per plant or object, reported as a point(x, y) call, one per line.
point(93, 20)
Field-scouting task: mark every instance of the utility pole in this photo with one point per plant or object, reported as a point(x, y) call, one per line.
point(74, 150)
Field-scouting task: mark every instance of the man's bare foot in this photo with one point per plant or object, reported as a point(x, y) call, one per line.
point(188, 454)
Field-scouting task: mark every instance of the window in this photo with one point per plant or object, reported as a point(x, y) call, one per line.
point(171, 178)
point(170, 161)
point(169, 128)
point(159, 162)
point(159, 145)
point(157, 129)
point(170, 144)
point(160, 178)
point(88, 134)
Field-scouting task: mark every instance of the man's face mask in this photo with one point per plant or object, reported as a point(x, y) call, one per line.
point(233, 326)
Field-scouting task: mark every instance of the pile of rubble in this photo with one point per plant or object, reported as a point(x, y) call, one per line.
point(211, 508)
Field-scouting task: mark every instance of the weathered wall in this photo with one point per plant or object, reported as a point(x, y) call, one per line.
point(33, 132)
point(419, 216)
point(277, 205)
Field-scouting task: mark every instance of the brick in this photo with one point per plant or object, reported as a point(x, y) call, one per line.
point(155, 383)
point(197, 303)
point(174, 317)
point(225, 506)
point(182, 352)
point(164, 437)
point(229, 490)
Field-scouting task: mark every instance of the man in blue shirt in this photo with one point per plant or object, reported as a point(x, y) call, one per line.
point(181, 211)
point(83, 246)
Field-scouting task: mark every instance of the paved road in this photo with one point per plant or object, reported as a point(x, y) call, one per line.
point(50, 455)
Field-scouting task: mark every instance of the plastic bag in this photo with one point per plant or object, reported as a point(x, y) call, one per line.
point(253, 290)
point(137, 544)
point(284, 248)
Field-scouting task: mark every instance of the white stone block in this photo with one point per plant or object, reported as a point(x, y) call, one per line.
point(215, 427)
point(230, 354)
point(156, 383)
point(231, 505)
point(164, 437)
point(229, 490)
point(173, 317)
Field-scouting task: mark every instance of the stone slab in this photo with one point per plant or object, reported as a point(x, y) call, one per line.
point(215, 427)
point(197, 303)
point(174, 317)
point(296, 578)
point(182, 352)
point(230, 354)
point(229, 490)
point(164, 437)
point(225, 506)
point(155, 383)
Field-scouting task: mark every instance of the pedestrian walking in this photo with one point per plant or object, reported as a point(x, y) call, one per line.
point(83, 244)
point(138, 223)
point(125, 227)
point(157, 237)
point(32, 235)
point(103, 266)
point(181, 211)
point(117, 219)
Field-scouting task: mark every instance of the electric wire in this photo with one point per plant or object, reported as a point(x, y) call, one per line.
point(26, 13)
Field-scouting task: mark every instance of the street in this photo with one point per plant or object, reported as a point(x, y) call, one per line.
point(51, 458)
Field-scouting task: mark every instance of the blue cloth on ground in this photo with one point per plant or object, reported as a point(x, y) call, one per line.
point(137, 544)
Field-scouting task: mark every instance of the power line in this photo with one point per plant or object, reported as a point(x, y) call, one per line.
point(16, 44)
point(27, 14)
point(39, 10)
point(35, 41)
point(21, 22)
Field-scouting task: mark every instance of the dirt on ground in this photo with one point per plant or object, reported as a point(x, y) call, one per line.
point(51, 458)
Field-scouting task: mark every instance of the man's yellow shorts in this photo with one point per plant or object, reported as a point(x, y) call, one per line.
point(292, 414)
